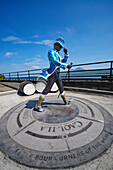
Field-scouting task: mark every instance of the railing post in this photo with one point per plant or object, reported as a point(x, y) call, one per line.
point(3, 76)
point(68, 75)
point(111, 65)
point(9, 76)
point(17, 75)
point(28, 74)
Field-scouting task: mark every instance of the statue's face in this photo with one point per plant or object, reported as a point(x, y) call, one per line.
point(57, 47)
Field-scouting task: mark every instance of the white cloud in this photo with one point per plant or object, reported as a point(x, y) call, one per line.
point(29, 63)
point(38, 55)
point(44, 42)
point(68, 29)
point(9, 54)
point(71, 30)
point(30, 59)
point(17, 40)
point(37, 42)
point(10, 38)
point(23, 42)
point(35, 36)
point(47, 42)
point(35, 67)
point(34, 61)
point(15, 65)
point(58, 32)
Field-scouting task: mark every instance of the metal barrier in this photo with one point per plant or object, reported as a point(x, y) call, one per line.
point(103, 72)
point(21, 75)
point(85, 71)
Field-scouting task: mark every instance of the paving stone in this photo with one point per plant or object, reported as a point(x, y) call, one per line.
point(5, 88)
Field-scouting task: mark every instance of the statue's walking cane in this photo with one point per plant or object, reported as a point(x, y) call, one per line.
point(66, 76)
point(67, 72)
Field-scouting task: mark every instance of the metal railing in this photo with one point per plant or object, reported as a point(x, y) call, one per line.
point(22, 75)
point(96, 70)
point(104, 71)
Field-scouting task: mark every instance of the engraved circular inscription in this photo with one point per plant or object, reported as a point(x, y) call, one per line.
point(56, 113)
point(61, 136)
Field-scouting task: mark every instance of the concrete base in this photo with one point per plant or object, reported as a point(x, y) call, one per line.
point(103, 162)
point(60, 137)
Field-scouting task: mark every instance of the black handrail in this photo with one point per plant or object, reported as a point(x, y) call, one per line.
point(102, 62)
point(101, 73)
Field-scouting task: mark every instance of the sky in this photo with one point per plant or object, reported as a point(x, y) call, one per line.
point(29, 28)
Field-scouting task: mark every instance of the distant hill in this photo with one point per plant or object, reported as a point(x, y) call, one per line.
point(78, 69)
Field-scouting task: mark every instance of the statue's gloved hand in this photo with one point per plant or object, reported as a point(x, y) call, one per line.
point(69, 66)
point(65, 51)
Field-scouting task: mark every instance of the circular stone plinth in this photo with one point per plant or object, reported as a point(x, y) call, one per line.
point(61, 136)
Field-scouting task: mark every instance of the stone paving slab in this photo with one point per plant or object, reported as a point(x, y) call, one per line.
point(14, 85)
point(8, 92)
point(5, 88)
point(103, 162)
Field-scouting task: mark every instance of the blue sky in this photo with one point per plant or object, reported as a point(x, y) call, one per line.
point(28, 29)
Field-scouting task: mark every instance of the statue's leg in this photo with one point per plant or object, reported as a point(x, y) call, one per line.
point(61, 88)
point(64, 98)
point(39, 104)
point(47, 89)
